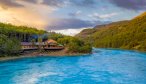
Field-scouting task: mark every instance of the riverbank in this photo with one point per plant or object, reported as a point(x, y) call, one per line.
point(38, 54)
point(6, 58)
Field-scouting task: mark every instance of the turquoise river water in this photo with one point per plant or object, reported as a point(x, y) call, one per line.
point(103, 66)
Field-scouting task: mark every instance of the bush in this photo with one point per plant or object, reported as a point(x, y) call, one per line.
point(9, 46)
point(75, 45)
point(85, 49)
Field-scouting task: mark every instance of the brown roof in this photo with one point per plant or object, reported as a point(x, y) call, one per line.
point(51, 41)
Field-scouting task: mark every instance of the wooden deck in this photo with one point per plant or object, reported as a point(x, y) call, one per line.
point(46, 48)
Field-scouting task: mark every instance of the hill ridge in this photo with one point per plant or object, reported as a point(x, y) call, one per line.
point(125, 34)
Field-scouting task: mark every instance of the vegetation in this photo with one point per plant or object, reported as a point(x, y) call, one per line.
point(75, 45)
point(9, 46)
point(125, 34)
point(11, 36)
point(22, 33)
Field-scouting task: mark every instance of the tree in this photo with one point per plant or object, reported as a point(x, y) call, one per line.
point(9, 46)
point(40, 43)
point(33, 42)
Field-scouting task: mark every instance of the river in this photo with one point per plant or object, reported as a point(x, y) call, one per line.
point(103, 66)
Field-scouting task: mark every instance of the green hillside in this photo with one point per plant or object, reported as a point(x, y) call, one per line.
point(22, 33)
point(11, 37)
point(124, 34)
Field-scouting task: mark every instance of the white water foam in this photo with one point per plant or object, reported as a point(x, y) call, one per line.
point(31, 78)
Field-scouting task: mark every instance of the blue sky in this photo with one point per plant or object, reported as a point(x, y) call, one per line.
point(68, 15)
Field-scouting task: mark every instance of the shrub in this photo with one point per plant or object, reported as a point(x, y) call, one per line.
point(9, 46)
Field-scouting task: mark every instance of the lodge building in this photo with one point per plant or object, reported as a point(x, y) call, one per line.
point(47, 45)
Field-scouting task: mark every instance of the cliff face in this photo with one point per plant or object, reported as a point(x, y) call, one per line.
point(124, 34)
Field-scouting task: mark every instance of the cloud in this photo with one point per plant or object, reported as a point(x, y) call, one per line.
point(72, 23)
point(21, 11)
point(58, 3)
point(22, 17)
point(75, 14)
point(30, 14)
point(69, 23)
point(38, 13)
point(9, 3)
point(130, 4)
point(14, 3)
point(70, 32)
point(102, 16)
point(84, 3)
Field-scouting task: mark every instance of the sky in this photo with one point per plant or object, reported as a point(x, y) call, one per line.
point(68, 16)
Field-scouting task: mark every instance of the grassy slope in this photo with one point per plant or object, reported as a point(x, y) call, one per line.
point(9, 28)
point(125, 34)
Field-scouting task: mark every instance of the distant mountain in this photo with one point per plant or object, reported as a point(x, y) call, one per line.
point(87, 32)
point(124, 34)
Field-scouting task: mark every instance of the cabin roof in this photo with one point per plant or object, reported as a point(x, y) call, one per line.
point(51, 41)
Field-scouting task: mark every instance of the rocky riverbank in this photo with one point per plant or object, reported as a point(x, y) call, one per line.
point(38, 54)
